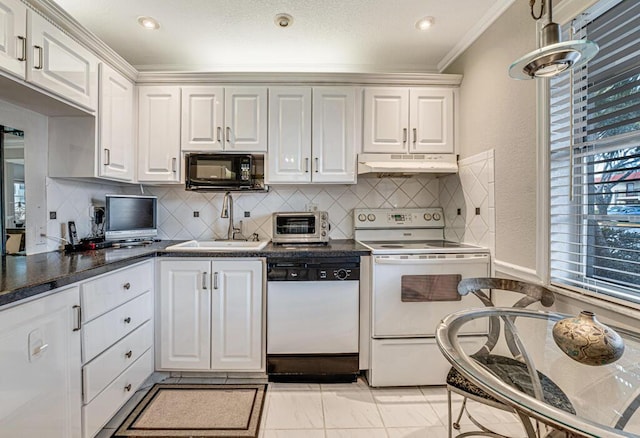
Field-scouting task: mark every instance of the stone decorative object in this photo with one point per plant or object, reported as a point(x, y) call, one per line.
point(585, 339)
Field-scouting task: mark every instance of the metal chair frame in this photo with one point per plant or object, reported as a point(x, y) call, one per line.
point(532, 294)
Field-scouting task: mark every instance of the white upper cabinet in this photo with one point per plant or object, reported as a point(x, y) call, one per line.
point(431, 120)
point(59, 64)
point(289, 157)
point(13, 37)
point(245, 116)
point(202, 119)
point(311, 141)
point(159, 133)
point(224, 119)
point(115, 118)
point(334, 134)
point(403, 120)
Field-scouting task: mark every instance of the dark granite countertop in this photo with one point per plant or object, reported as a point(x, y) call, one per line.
point(24, 277)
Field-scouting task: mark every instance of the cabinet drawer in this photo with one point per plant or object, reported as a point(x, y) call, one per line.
point(97, 374)
point(104, 406)
point(111, 290)
point(103, 332)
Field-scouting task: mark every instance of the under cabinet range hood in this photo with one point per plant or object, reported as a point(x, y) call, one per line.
point(407, 163)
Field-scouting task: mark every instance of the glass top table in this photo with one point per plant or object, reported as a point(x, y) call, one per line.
point(605, 398)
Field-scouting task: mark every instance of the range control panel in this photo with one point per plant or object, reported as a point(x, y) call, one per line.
point(431, 217)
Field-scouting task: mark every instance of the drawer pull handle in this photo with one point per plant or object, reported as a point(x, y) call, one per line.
point(127, 320)
point(127, 286)
point(204, 280)
point(78, 310)
point(128, 354)
point(39, 65)
point(128, 387)
point(23, 46)
point(215, 280)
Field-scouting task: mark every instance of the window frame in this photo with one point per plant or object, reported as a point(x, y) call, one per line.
point(563, 14)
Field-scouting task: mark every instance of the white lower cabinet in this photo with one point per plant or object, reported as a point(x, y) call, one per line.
point(211, 315)
point(40, 393)
point(117, 341)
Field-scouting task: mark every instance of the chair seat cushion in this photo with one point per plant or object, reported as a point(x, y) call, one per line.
point(514, 373)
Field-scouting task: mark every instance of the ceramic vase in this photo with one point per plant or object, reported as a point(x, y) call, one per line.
point(585, 339)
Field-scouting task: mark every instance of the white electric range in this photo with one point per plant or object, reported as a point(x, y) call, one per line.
point(414, 277)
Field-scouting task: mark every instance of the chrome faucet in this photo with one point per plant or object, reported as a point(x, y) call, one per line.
point(227, 212)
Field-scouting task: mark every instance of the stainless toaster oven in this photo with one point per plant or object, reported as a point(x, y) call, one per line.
point(301, 227)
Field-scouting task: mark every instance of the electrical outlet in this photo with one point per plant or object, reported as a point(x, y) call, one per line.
point(247, 214)
point(196, 214)
point(53, 215)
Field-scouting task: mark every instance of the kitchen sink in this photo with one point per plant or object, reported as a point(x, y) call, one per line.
point(218, 245)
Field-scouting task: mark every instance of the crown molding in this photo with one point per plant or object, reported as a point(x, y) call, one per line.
point(405, 79)
point(61, 19)
point(474, 33)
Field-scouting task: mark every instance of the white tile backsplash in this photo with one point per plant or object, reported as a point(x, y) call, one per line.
point(472, 187)
point(461, 194)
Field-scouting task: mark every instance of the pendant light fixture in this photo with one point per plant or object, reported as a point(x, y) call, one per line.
point(555, 56)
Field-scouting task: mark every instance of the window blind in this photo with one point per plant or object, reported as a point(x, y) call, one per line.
point(594, 158)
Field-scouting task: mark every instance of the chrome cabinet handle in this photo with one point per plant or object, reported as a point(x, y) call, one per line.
point(39, 57)
point(78, 310)
point(127, 320)
point(215, 280)
point(204, 280)
point(317, 166)
point(218, 134)
point(306, 165)
point(128, 354)
point(107, 157)
point(228, 134)
point(127, 285)
point(23, 47)
point(128, 387)
point(174, 162)
point(40, 349)
point(415, 135)
point(404, 135)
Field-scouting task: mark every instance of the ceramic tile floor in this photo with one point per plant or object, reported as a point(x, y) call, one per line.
point(354, 410)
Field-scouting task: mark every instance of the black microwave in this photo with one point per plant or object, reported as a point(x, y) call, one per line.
point(219, 171)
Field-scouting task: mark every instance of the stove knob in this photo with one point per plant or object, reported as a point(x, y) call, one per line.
point(371, 217)
point(341, 274)
point(362, 217)
point(436, 216)
point(427, 216)
point(324, 233)
point(324, 225)
point(323, 216)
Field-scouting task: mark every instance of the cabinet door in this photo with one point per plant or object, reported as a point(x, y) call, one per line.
point(61, 65)
point(185, 309)
point(236, 340)
point(115, 120)
point(202, 120)
point(431, 113)
point(40, 368)
point(334, 135)
point(386, 120)
point(158, 134)
point(245, 115)
point(13, 37)
point(289, 157)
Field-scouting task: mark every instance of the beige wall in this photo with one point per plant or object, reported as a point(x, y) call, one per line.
point(499, 113)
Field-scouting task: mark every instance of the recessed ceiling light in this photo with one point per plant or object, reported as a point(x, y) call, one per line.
point(149, 23)
point(425, 23)
point(283, 20)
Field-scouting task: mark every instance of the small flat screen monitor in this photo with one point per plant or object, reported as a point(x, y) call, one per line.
point(130, 217)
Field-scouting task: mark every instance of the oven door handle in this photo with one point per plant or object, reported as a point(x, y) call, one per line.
point(449, 260)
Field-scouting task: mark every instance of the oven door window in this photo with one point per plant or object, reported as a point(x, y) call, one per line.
point(424, 288)
point(295, 225)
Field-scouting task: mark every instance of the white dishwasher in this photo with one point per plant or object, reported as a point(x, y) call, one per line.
point(313, 319)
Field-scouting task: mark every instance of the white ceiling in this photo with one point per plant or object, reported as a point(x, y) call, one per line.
point(326, 36)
